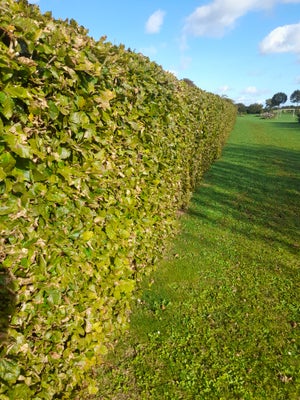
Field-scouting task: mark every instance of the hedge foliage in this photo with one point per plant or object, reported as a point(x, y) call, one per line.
point(99, 149)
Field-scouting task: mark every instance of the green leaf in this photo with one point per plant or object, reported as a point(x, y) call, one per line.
point(20, 149)
point(64, 153)
point(111, 231)
point(9, 371)
point(44, 48)
point(80, 101)
point(63, 103)
point(123, 287)
point(54, 296)
point(53, 110)
point(7, 105)
point(18, 92)
point(16, 140)
point(9, 206)
point(2, 174)
point(79, 118)
point(7, 162)
point(88, 235)
point(2, 97)
point(56, 196)
point(93, 389)
point(20, 391)
point(105, 98)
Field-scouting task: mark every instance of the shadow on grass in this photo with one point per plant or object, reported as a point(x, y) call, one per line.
point(286, 125)
point(258, 189)
point(7, 303)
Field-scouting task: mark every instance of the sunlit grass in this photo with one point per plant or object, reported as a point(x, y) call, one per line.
point(219, 319)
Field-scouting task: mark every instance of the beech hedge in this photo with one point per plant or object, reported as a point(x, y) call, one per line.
point(99, 149)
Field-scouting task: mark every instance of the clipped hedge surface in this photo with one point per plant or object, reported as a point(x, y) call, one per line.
point(99, 149)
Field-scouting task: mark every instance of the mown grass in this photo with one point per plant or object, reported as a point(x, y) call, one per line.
point(219, 319)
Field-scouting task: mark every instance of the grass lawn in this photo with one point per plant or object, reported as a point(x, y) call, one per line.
point(219, 319)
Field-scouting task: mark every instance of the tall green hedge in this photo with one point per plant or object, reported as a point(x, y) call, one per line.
point(99, 149)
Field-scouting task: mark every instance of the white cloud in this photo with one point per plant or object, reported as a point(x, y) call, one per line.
point(253, 91)
point(224, 89)
point(284, 39)
point(247, 100)
point(219, 16)
point(250, 90)
point(252, 94)
point(155, 21)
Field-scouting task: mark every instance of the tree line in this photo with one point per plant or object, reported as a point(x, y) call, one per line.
point(277, 100)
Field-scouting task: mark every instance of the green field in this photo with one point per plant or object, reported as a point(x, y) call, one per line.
point(219, 319)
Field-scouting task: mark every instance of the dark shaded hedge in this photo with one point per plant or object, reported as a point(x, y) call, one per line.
point(99, 149)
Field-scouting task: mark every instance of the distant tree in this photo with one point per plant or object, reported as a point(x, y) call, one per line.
point(241, 108)
point(268, 104)
point(189, 82)
point(295, 97)
point(278, 98)
point(254, 108)
point(226, 98)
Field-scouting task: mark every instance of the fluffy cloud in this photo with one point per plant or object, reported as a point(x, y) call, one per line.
point(284, 39)
point(155, 21)
point(247, 100)
point(250, 90)
point(224, 89)
point(253, 91)
point(216, 18)
point(252, 94)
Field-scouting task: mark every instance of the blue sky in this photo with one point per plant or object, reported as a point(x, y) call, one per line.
point(247, 50)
